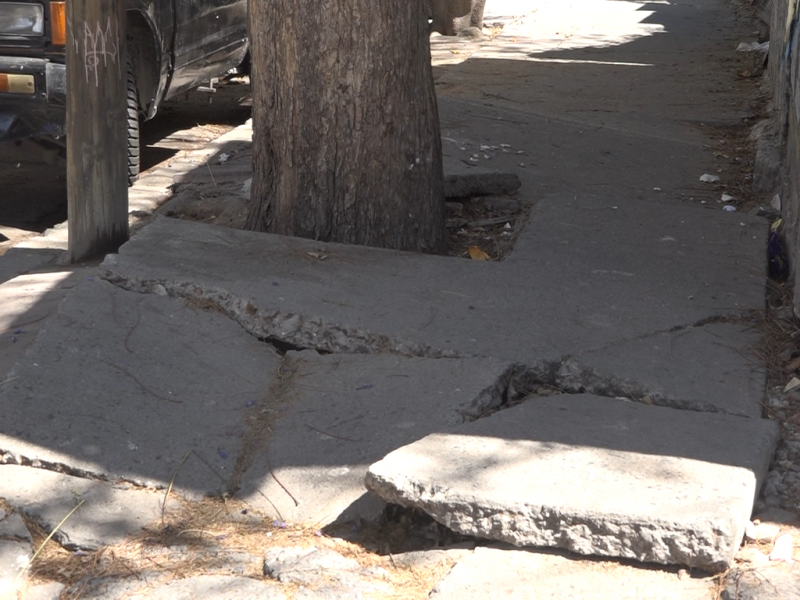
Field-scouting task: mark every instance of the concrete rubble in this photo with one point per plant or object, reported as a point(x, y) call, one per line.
point(533, 426)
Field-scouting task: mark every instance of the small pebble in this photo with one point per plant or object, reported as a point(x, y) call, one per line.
point(761, 532)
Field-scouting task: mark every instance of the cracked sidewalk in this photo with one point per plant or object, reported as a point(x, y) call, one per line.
point(173, 352)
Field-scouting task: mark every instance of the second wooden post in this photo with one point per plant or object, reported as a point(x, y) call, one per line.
point(97, 162)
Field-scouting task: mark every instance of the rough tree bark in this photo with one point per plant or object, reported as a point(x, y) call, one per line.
point(346, 143)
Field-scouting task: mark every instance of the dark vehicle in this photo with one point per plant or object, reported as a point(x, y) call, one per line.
point(173, 46)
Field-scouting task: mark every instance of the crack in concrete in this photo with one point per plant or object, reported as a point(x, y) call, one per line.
point(9, 457)
point(747, 316)
point(521, 382)
point(299, 332)
point(284, 329)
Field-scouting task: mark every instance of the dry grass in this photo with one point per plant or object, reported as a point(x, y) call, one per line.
point(197, 538)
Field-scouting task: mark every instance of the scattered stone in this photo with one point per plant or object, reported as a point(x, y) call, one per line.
point(783, 548)
point(592, 475)
point(762, 532)
point(305, 566)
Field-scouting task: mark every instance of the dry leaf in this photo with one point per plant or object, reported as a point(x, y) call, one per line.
point(476, 253)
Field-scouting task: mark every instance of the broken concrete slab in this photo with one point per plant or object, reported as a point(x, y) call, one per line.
point(108, 514)
point(591, 475)
point(512, 574)
point(337, 414)
point(211, 587)
point(12, 527)
point(129, 386)
point(338, 298)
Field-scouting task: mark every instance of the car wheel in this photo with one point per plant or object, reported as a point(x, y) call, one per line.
point(132, 99)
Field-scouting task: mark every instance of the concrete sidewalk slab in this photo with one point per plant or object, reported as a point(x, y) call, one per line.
point(504, 573)
point(108, 515)
point(124, 385)
point(26, 304)
point(344, 412)
point(209, 587)
point(591, 475)
point(555, 296)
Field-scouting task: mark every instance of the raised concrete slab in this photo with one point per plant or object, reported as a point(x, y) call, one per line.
point(591, 475)
point(341, 413)
point(598, 295)
point(503, 573)
point(127, 386)
point(108, 514)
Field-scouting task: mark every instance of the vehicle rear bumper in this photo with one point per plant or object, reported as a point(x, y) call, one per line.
point(37, 112)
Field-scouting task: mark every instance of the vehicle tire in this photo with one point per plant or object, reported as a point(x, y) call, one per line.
point(132, 98)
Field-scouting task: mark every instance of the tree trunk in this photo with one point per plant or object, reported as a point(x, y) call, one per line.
point(346, 144)
point(445, 12)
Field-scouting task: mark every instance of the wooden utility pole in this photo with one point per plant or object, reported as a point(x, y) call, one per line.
point(97, 160)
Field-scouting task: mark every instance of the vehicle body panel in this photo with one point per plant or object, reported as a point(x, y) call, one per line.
point(173, 46)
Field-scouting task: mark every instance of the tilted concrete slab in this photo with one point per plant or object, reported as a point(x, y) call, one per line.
point(107, 515)
point(340, 413)
point(132, 386)
point(498, 573)
point(591, 475)
point(340, 298)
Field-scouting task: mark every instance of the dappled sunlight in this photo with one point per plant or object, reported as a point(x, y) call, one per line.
point(558, 26)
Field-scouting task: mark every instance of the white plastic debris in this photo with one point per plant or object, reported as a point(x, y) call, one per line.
point(223, 158)
point(656, 189)
point(776, 202)
point(782, 550)
point(248, 183)
point(752, 47)
point(793, 383)
point(728, 198)
point(708, 178)
point(729, 208)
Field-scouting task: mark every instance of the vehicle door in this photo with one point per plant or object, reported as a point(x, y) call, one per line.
point(210, 39)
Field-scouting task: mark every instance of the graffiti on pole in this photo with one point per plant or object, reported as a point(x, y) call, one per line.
point(97, 48)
